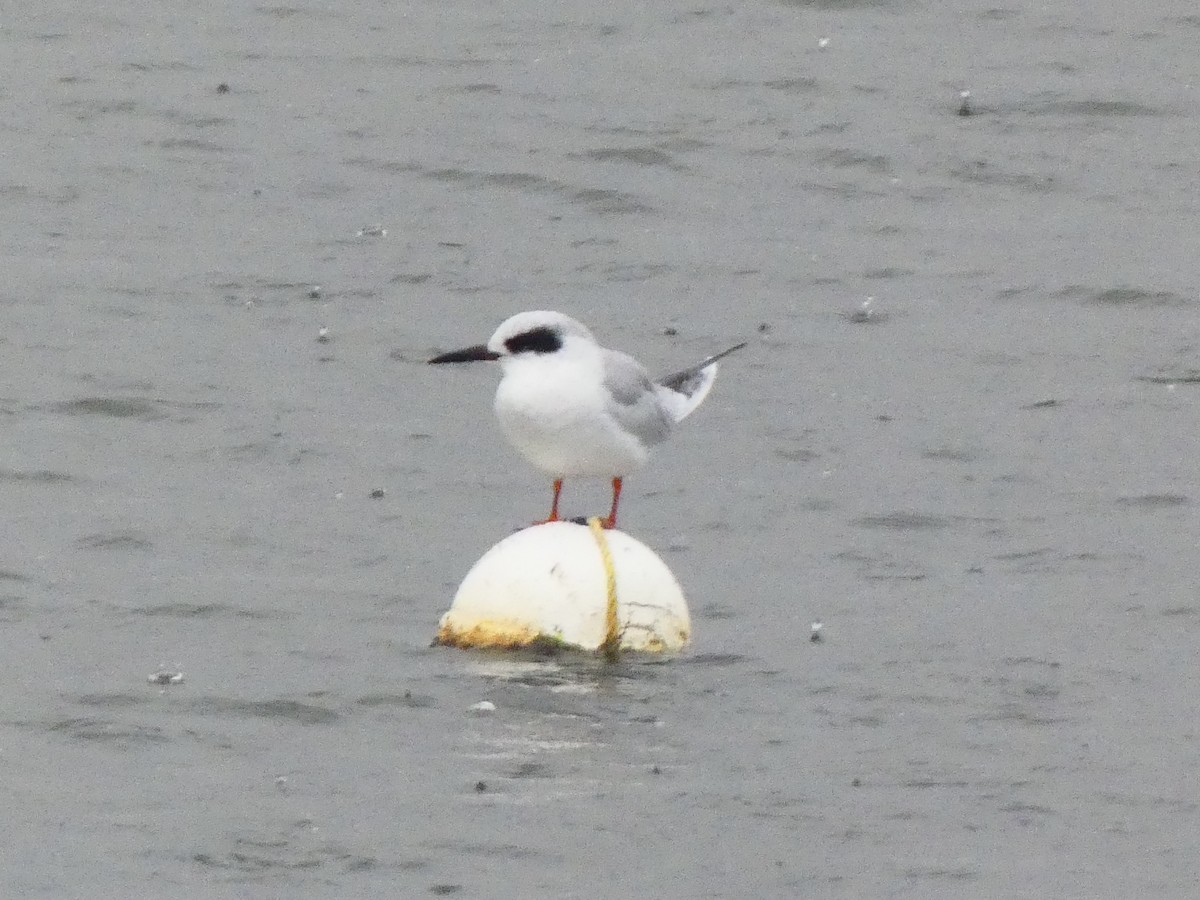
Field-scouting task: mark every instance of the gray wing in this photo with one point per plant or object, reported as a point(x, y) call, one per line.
point(633, 399)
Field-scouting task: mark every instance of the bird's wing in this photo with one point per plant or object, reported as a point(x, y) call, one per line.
point(684, 391)
point(633, 399)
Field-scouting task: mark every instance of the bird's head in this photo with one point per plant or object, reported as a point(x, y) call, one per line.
point(526, 335)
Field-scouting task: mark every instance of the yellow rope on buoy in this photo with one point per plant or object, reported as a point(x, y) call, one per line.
point(612, 628)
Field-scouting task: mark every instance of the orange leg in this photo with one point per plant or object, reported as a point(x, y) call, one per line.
point(612, 515)
point(554, 506)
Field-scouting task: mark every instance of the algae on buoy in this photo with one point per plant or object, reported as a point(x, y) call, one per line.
point(548, 585)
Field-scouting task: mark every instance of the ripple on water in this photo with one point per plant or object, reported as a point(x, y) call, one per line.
point(954, 454)
point(1151, 502)
point(599, 200)
point(714, 660)
point(113, 407)
point(838, 4)
point(793, 85)
point(279, 710)
point(92, 729)
point(298, 847)
point(488, 850)
point(986, 172)
point(1100, 107)
point(185, 610)
point(847, 158)
point(941, 874)
point(632, 272)
point(641, 156)
point(883, 566)
point(407, 700)
point(1172, 376)
point(716, 611)
point(114, 700)
point(904, 521)
point(41, 476)
point(1122, 296)
point(122, 539)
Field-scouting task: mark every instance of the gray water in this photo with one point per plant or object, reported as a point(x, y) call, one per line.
point(982, 482)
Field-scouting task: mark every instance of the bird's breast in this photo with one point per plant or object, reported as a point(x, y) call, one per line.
point(560, 422)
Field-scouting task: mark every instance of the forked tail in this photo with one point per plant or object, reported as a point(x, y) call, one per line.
point(684, 391)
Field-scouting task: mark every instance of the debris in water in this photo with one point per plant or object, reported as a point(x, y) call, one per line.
point(816, 636)
point(165, 677)
point(865, 314)
point(483, 707)
point(372, 231)
point(964, 106)
point(323, 336)
point(480, 787)
point(378, 494)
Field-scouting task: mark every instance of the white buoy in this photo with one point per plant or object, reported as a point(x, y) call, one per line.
point(549, 585)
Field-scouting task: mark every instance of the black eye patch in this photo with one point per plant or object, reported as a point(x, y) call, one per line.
point(536, 340)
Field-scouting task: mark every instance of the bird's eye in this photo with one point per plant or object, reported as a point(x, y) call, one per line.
point(536, 340)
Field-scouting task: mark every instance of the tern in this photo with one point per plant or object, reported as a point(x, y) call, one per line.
point(573, 408)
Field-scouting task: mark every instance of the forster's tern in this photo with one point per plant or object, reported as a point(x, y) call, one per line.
point(574, 408)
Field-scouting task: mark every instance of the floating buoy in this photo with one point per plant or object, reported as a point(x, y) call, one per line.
point(561, 584)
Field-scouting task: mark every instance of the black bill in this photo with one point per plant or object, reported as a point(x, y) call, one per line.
point(467, 354)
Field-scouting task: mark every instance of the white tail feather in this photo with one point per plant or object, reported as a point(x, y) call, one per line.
point(682, 392)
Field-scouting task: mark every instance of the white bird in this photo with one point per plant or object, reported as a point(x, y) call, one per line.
point(574, 408)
